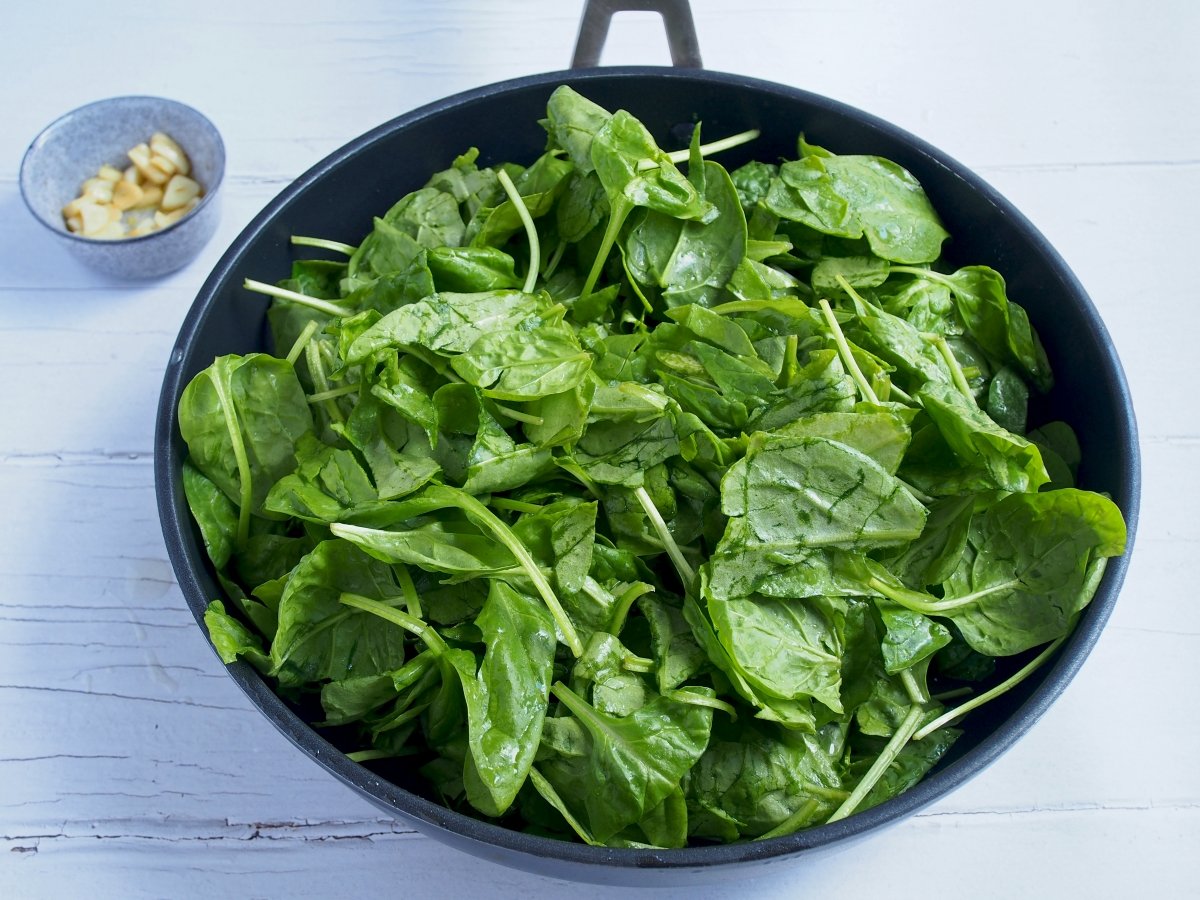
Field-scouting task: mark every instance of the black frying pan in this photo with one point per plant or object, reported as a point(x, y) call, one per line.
point(338, 197)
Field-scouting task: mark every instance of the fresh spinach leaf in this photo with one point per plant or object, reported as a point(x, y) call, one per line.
point(629, 765)
point(817, 492)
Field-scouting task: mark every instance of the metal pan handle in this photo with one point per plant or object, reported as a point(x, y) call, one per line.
point(677, 20)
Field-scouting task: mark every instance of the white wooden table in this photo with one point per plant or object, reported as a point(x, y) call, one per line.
point(132, 766)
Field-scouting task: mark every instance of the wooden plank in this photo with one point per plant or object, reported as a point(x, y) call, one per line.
point(1109, 853)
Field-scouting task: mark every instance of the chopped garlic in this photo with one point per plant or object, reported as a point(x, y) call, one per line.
point(152, 193)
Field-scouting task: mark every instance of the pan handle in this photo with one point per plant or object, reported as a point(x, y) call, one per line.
point(677, 20)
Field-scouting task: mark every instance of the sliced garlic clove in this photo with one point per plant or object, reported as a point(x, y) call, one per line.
point(98, 189)
point(163, 164)
point(179, 190)
point(140, 155)
point(126, 195)
point(163, 219)
point(94, 216)
point(162, 145)
point(152, 195)
point(114, 230)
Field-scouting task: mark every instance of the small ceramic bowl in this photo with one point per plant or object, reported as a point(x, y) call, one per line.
point(71, 149)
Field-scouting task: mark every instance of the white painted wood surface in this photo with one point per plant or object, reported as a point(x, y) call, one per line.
point(131, 766)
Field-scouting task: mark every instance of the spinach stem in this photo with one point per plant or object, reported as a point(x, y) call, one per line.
point(1003, 687)
point(901, 737)
point(927, 274)
point(502, 532)
point(399, 718)
point(572, 701)
point(846, 354)
point(518, 416)
point(412, 600)
point(597, 592)
point(535, 248)
point(555, 258)
point(618, 211)
point(924, 498)
point(616, 621)
point(733, 307)
point(725, 143)
point(681, 695)
point(425, 632)
point(639, 664)
point(245, 484)
point(424, 675)
point(515, 505)
point(835, 795)
point(794, 822)
point(854, 295)
point(301, 342)
point(360, 756)
point(333, 393)
point(573, 469)
point(260, 287)
point(916, 601)
point(861, 304)
point(787, 372)
point(974, 596)
point(956, 372)
point(316, 370)
point(414, 672)
point(546, 789)
point(646, 304)
point(664, 534)
point(323, 244)
point(911, 687)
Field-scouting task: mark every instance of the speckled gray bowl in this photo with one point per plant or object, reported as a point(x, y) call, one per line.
point(72, 148)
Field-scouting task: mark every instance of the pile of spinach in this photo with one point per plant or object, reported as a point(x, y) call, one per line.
point(643, 506)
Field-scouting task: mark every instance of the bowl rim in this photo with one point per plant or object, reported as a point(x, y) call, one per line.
point(60, 230)
point(465, 831)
